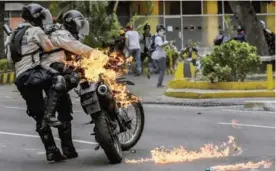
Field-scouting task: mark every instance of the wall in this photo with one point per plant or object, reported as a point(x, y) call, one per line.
point(141, 8)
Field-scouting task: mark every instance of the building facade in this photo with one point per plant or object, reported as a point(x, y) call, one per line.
point(184, 20)
point(198, 21)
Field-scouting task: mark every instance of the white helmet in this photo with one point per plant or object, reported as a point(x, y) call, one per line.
point(262, 24)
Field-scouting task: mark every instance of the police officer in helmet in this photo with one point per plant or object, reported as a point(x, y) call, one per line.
point(26, 43)
point(66, 39)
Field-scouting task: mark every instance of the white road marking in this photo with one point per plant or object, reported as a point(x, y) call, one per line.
point(35, 136)
point(253, 111)
point(22, 108)
point(2, 145)
point(81, 150)
point(14, 107)
point(40, 153)
point(29, 149)
point(247, 125)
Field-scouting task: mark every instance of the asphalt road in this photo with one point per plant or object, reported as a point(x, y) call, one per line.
point(21, 150)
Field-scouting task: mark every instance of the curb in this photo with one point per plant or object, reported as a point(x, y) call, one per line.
point(260, 105)
point(252, 85)
point(7, 78)
point(219, 94)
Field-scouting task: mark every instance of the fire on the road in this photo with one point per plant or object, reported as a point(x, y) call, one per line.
point(234, 123)
point(163, 156)
point(110, 67)
point(242, 166)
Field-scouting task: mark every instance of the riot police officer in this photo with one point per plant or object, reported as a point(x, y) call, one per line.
point(26, 43)
point(67, 41)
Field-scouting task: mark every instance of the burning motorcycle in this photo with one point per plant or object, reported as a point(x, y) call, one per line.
point(114, 129)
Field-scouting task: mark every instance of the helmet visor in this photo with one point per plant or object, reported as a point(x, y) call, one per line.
point(82, 26)
point(47, 19)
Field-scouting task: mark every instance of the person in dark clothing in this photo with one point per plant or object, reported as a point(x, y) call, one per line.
point(240, 34)
point(31, 77)
point(269, 37)
point(146, 42)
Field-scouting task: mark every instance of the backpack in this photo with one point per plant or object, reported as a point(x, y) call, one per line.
point(16, 44)
point(218, 42)
point(152, 44)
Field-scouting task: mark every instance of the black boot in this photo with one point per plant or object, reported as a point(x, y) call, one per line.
point(52, 152)
point(51, 103)
point(65, 135)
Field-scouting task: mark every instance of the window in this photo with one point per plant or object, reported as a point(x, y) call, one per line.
point(15, 13)
point(227, 9)
point(6, 14)
point(219, 7)
point(160, 7)
point(123, 8)
point(172, 7)
point(257, 6)
point(191, 7)
point(138, 9)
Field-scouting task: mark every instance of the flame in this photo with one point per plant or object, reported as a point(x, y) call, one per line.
point(163, 156)
point(241, 166)
point(110, 67)
point(234, 123)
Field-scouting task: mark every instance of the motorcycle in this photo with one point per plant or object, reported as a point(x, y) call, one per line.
point(111, 122)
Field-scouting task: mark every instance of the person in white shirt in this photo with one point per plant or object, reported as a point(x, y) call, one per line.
point(133, 46)
point(159, 53)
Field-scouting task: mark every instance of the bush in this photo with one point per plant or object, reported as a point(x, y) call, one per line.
point(4, 65)
point(231, 61)
point(171, 59)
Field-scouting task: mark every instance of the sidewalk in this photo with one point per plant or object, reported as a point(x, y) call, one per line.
point(146, 89)
point(150, 94)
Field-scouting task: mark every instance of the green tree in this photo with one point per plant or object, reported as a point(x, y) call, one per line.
point(246, 16)
point(103, 26)
point(2, 21)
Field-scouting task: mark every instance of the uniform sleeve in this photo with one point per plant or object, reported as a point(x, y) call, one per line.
point(8, 50)
point(42, 39)
point(68, 42)
point(9, 55)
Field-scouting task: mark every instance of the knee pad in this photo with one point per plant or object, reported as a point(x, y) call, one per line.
point(58, 66)
point(59, 83)
point(40, 130)
point(75, 79)
point(72, 80)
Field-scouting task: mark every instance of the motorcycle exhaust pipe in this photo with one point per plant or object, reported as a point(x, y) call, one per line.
point(102, 90)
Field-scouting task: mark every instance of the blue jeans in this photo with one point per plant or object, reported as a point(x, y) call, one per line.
point(136, 53)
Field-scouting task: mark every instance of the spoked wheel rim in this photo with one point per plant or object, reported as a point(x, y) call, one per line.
point(133, 113)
